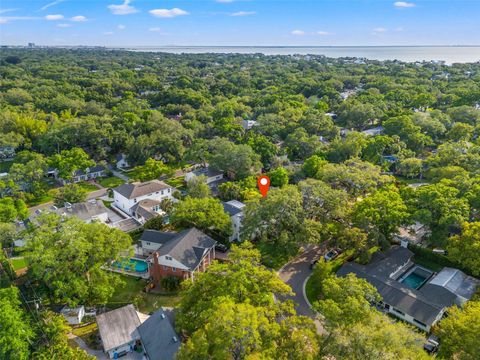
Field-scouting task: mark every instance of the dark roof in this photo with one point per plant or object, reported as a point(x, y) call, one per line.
point(134, 190)
point(157, 237)
point(90, 170)
point(230, 209)
point(187, 247)
point(208, 172)
point(157, 336)
point(118, 327)
point(424, 304)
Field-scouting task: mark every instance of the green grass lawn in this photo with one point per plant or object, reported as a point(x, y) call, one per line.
point(89, 334)
point(40, 200)
point(110, 182)
point(87, 186)
point(18, 263)
point(5, 166)
point(429, 264)
point(132, 292)
point(312, 290)
point(178, 182)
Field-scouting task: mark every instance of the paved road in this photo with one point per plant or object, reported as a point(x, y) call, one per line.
point(92, 195)
point(295, 273)
point(99, 354)
point(119, 175)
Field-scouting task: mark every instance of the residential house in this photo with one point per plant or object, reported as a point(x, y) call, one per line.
point(118, 331)
point(121, 161)
point(234, 208)
point(146, 209)
point(248, 124)
point(90, 173)
point(411, 292)
point(7, 152)
point(89, 211)
point(177, 254)
point(412, 234)
point(211, 174)
point(373, 131)
point(159, 339)
point(127, 196)
point(73, 316)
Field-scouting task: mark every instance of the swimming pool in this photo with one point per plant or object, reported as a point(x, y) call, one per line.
point(132, 264)
point(415, 277)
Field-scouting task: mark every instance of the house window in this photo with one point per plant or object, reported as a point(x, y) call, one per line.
point(165, 267)
point(168, 257)
point(419, 323)
point(398, 311)
point(134, 200)
point(148, 243)
point(174, 269)
point(157, 192)
point(162, 192)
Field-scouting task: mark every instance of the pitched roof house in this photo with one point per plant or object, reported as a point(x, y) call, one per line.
point(234, 208)
point(177, 254)
point(411, 292)
point(211, 174)
point(124, 329)
point(142, 200)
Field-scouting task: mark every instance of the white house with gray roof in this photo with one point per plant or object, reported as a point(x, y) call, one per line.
point(234, 208)
point(411, 292)
point(210, 174)
point(129, 197)
point(124, 329)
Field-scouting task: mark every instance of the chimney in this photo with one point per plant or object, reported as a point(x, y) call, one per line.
point(155, 269)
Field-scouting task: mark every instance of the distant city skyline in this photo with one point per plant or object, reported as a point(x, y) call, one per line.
point(126, 23)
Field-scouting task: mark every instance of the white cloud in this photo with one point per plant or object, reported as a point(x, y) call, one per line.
point(3, 11)
point(323, 33)
point(168, 13)
point(3, 21)
point(7, 19)
point(155, 29)
point(108, 33)
point(224, 1)
point(53, 3)
point(399, 29)
point(404, 4)
point(79, 18)
point(298, 32)
point(243, 13)
point(380, 30)
point(64, 25)
point(121, 27)
point(54, 17)
point(123, 9)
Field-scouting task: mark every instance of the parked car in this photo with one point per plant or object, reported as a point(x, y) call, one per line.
point(221, 247)
point(332, 254)
point(431, 346)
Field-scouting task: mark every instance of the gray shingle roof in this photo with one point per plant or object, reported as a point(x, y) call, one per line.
point(157, 335)
point(187, 247)
point(131, 191)
point(157, 237)
point(118, 327)
point(208, 172)
point(90, 170)
point(424, 304)
point(230, 209)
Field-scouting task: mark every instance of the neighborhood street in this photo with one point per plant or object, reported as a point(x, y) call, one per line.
point(295, 274)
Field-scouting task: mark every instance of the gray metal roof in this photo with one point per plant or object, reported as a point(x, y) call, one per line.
point(118, 327)
point(455, 281)
point(133, 190)
point(157, 336)
point(187, 247)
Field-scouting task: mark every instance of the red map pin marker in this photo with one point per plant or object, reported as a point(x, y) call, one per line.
point(263, 184)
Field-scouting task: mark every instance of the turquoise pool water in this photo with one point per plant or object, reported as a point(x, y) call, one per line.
point(415, 277)
point(132, 265)
point(414, 281)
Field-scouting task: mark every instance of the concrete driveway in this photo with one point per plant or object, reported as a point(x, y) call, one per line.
point(295, 274)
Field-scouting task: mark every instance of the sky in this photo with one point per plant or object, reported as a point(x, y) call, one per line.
point(239, 22)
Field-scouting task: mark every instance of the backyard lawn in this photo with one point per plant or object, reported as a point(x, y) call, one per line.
point(110, 182)
point(87, 186)
point(18, 263)
point(178, 182)
point(132, 292)
point(89, 334)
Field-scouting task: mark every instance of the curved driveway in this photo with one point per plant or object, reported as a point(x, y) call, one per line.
point(295, 274)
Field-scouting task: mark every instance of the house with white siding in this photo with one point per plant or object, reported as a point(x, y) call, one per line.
point(234, 209)
point(132, 198)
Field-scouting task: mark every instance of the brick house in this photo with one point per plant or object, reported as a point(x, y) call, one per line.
point(177, 254)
